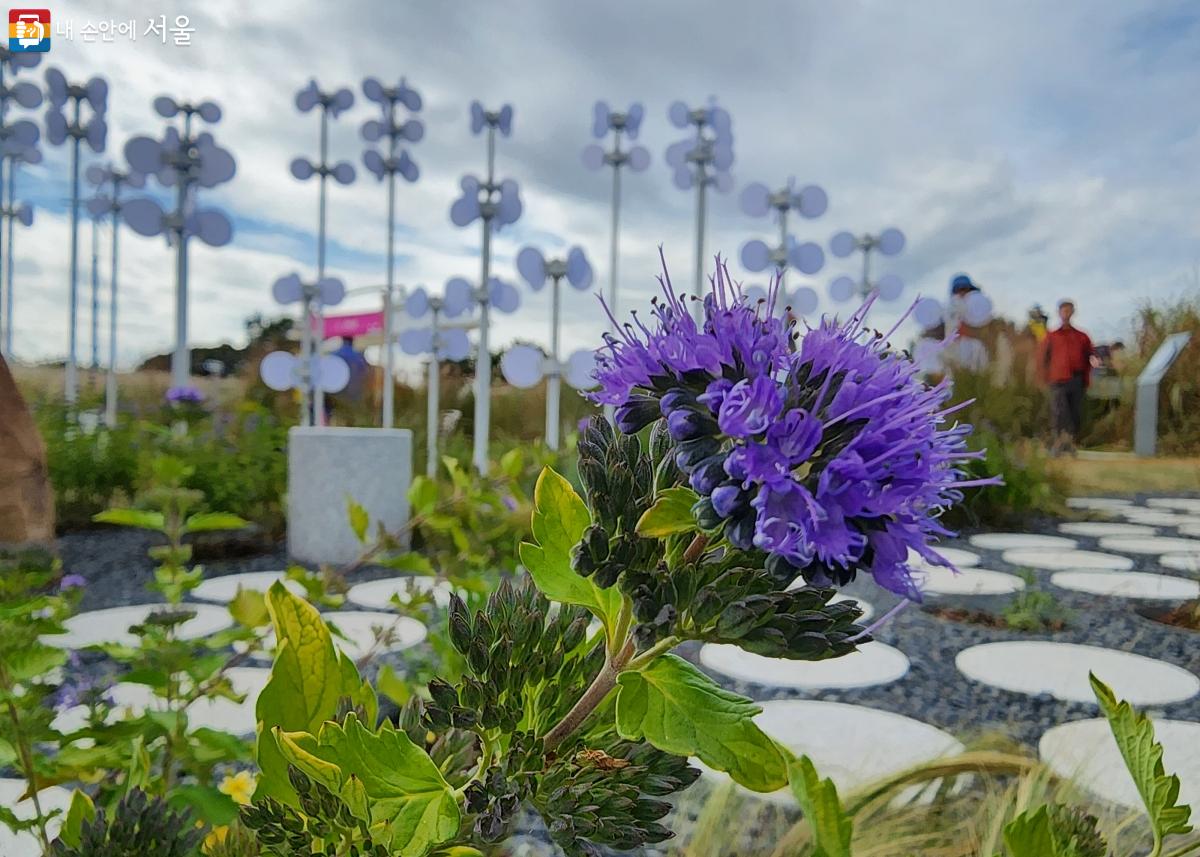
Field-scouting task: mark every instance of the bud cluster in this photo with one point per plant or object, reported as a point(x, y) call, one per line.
point(324, 822)
point(495, 798)
point(138, 825)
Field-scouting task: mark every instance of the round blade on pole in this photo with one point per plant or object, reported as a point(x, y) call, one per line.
point(307, 98)
point(679, 114)
point(457, 298)
point(531, 265)
point(98, 206)
point(96, 174)
point(682, 178)
point(503, 296)
point(722, 156)
point(287, 289)
point(96, 91)
point(330, 291)
point(302, 168)
point(417, 303)
point(842, 288)
point(677, 153)
point(756, 255)
point(579, 370)
point(217, 166)
point(23, 133)
point(408, 96)
point(722, 123)
point(928, 312)
point(343, 173)
point(508, 210)
point(25, 214)
point(407, 167)
point(373, 161)
point(56, 127)
point(633, 120)
point(135, 179)
point(27, 94)
point(454, 345)
point(416, 340)
point(807, 258)
point(331, 373)
point(755, 199)
point(889, 287)
point(978, 309)
point(372, 130)
point(812, 201)
point(843, 244)
point(56, 87)
point(96, 134)
point(505, 120)
point(464, 210)
point(639, 158)
point(278, 370)
point(372, 89)
point(891, 242)
point(342, 101)
point(413, 130)
point(143, 216)
point(723, 182)
point(165, 106)
point(31, 156)
point(210, 112)
point(579, 269)
point(522, 366)
point(25, 60)
point(600, 114)
point(478, 117)
point(593, 156)
point(804, 301)
point(210, 226)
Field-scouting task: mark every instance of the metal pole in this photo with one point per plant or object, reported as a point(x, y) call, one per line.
point(8, 261)
point(318, 406)
point(306, 358)
point(483, 360)
point(5, 292)
point(181, 369)
point(110, 385)
point(616, 213)
point(95, 300)
point(72, 384)
point(865, 288)
point(389, 365)
point(554, 377)
point(700, 200)
point(433, 385)
point(783, 266)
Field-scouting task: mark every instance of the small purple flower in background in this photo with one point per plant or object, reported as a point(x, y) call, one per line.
point(71, 581)
point(825, 451)
point(184, 395)
point(510, 502)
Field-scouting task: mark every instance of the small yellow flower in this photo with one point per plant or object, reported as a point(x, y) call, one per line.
point(239, 786)
point(215, 837)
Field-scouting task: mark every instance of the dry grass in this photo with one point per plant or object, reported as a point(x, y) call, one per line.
point(1119, 474)
point(142, 389)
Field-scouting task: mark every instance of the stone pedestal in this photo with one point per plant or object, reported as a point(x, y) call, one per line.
point(328, 465)
point(26, 500)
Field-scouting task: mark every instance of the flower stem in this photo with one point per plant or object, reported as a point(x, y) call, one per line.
point(600, 687)
point(661, 647)
point(30, 774)
point(695, 549)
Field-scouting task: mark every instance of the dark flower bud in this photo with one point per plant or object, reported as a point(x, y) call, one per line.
point(477, 656)
point(460, 625)
point(677, 398)
point(706, 515)
point(660, 442)
point(708, 475)
point(575, 633)
point(594, 476)
point(485, 633)
point(597, 432)
point(782, 572)
point(443, 694)
point(476, 797)
point(691, 453)
point(463, 718)
point(596, 539)
point(728, 498)
point(740, 531)
point(607, 574)
point(637, 413)
point(685, 425)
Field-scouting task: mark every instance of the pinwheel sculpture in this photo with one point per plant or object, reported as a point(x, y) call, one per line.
point(889, 242)
point(12, 213)
point(184, 161)
point(757, 200)
point(16, 144)
point(387, 165)
point(495, 204)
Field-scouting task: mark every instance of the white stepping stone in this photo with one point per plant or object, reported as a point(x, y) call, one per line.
point(1154, 518)
point(1181, 562)
point(1190, 530)
point(851, 744)
point(1086, 752)
point(225, 589)
point(1190, 505)
point(1099, 504)
point(1128, 584)
point(377, 594)
point(970, 581)
point(49, 799)
point(1151, 545)
point(873, 664)
point(1100, 529)
point(1012, 541)
point(112, 625)
point(955, 556)
point(360, 628)
point(1061, 670)
point(1067, 560)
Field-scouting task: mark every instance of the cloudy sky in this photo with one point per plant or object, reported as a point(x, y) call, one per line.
point(1045, 149)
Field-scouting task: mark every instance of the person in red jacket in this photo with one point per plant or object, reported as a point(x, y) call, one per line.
point(1065, 366)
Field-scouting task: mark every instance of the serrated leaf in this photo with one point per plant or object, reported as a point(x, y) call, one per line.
point(1134, 734)
point(680, 710)
point(831, 828)
point(1030, 835)
point(559, 518)
point(670, 515)
point(308, 679)
point(207, 522)
point(360, 521)
point(131, 518)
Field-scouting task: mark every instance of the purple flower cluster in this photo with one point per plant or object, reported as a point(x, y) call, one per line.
point(826, 451)
point(184, 396)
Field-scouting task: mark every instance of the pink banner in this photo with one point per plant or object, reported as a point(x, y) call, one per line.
point(357, 324)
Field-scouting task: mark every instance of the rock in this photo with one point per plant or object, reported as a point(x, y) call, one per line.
point(26, 498)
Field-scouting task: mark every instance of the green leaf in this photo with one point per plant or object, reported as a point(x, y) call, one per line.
point(81, 809)
point(36, 660)
point(831, 827)
point(671, 514)
point(131, 518)
point(307, 680)
point(360, 521)
point(1030, 835)
point(1134, 734)
point(412, 806)
point(8, 753)
point(249, 608)
point(207, 522)
point(392, 686)
point(209, 804)
point(422, 495)
point(411, 562)
point(559, 518)
point(680, 710)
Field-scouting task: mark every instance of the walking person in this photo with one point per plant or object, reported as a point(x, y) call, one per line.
point(1065, 365)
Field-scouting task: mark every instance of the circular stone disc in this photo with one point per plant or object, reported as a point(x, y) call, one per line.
point(1011, 541)
point(1061, 670)
point(112, 625)
point(1183, 504)
point(1190, 530)
point(1067, 560)
point(377, 594)
point(359, 627)
point(1098, 503)
point(1128, 584)
point(874, 663)
point(225, 589)
point(955, 556)
point(26, 842)
point(1153, 517)
point(1181, 562)
point(970, 581)
point(851, 744)
point(1100, 529)
point(1151, 544)
point(1086, 752)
